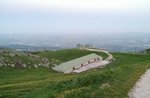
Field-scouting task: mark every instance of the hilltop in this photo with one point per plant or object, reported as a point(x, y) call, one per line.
point(113, 81)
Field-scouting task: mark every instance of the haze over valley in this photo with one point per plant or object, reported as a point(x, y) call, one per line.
point(125, 42)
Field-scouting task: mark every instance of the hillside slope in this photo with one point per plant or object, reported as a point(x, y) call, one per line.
point(113, 81)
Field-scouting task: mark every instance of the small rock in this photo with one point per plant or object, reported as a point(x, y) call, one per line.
point(105, 85)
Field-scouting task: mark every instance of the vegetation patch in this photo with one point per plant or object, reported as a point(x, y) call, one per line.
point(113, 81)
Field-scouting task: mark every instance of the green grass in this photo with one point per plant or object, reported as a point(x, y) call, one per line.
point(69, 54)
point(113, 81)
point(148, 51)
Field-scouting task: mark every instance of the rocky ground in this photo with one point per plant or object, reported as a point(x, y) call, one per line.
point(18, 59)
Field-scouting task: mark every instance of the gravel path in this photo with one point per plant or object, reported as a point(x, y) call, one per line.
point(142, 87)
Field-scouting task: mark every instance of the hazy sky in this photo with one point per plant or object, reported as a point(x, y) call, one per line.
point(75, 16)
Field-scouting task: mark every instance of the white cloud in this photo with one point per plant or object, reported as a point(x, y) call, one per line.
point(77, 5)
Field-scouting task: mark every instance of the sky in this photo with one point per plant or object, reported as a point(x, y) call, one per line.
point(74, 16)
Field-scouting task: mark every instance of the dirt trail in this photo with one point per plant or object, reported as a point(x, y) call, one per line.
point(142, 87)
point(110, 56)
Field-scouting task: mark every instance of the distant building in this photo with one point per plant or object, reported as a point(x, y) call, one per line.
point(69, 66)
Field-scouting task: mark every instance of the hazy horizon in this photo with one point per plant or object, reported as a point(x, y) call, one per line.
point(53, 41)
point(118, 25)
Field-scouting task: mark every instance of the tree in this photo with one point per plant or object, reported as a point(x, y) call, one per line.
point(79, 45)
point(88, 46)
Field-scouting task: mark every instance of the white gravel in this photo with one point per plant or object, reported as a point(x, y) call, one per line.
point(142, 87)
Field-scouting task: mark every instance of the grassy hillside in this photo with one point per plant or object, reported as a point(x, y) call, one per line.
point(66, 55)
point(114, 81)
point(148, 51)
